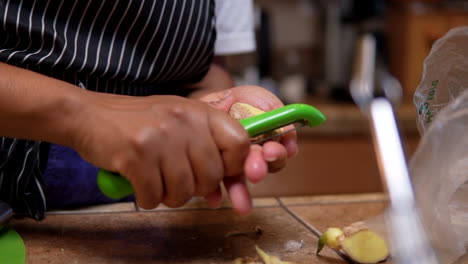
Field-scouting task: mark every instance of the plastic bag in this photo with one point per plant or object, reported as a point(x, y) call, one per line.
point(445, 76)
point(439, 170)
point(439, 167)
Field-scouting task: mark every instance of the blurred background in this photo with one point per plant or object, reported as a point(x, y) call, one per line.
point(305, 53)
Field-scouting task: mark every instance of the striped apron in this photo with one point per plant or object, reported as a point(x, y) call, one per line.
point(129, 47)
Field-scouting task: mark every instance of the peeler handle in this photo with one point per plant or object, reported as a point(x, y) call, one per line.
point(280, 117)
point(115, 186)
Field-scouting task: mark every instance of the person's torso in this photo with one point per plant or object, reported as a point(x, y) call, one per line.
point(115, 46)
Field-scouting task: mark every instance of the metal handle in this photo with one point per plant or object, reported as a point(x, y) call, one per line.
point(362, 82)
point(115, 186)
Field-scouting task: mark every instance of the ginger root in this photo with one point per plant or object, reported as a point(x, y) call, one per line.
point(241, 110)
point(365, 247)
point(332, 238)
point(362, 245)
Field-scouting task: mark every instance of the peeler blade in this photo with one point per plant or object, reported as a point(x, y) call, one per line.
point(296, 125)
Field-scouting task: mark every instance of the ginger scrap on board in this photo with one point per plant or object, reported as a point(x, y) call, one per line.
point(265, 259)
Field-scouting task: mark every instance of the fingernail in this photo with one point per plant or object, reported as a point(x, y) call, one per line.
point(292, 146)
point(271, 158)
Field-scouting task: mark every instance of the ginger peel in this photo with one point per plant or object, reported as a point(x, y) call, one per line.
point(265, 259)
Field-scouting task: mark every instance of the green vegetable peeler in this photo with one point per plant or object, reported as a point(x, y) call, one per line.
point(115, 186)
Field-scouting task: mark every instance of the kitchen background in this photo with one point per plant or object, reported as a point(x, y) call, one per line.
point(305, 53)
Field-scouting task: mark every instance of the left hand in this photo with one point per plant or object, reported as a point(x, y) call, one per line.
point(271, 157)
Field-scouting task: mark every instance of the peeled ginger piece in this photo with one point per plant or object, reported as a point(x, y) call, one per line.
point(365, 247)
point(362, 246)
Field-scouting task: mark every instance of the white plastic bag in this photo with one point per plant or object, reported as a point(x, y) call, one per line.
point(439, 167)
point(439, 170)
point(445, 76)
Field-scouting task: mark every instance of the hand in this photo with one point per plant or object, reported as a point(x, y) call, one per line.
point(271, 157)
point(170, 148)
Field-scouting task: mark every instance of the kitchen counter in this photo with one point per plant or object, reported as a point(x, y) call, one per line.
point(122, 233)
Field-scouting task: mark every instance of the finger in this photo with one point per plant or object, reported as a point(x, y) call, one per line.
point(289, 141)
point(178, 179)
point(148, 187)
point(239, 194)
point(207, 164)
point(215, 198)
point(232, 140)
point(255, 166)
point(276, 155)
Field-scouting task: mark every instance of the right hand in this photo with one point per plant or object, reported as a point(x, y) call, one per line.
point(170, 148)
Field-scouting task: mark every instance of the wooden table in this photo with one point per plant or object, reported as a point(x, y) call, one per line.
point(122, 233)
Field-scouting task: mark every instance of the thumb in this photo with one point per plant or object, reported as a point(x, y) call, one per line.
point(220, 100)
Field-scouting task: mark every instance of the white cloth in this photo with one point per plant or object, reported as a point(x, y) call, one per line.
point(234, 26)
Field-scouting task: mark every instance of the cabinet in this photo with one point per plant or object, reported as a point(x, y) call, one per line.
point(413, 26)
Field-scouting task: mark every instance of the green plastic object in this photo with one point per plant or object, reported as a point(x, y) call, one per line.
point(12, 249)
point(115, 187)
point(280, 117)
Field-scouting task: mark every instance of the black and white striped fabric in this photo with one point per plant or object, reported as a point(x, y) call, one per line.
point(131, 47)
